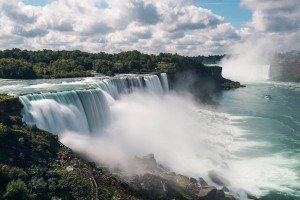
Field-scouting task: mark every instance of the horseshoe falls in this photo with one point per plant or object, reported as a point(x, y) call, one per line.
point(249, 141)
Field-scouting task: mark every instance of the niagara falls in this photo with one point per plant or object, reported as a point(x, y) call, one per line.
point(149, 100)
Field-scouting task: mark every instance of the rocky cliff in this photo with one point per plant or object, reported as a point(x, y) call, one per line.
point(35, 165)
point(202, 82)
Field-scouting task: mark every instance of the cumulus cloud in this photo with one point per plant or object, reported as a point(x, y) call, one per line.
point(113, 25)
point(17, 13)
point(176, 26)
point(274, 15)
point(29, 33)
point(274, 20)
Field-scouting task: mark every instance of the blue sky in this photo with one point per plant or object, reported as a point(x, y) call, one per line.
point(229, 9)
point(35, 2)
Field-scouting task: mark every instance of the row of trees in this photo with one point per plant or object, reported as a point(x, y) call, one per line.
point(16, 63)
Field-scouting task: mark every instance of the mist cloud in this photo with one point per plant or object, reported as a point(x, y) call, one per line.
point(185, 137)
point(275, 27)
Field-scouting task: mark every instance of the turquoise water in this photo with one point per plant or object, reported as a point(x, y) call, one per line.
point(274, 124)
point(257, 139)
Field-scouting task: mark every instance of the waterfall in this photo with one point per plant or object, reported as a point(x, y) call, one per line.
point(126, 85)
point(154, 84)
point(85, 111)
point(248, 67)
point(164, 81)
point(123, 85)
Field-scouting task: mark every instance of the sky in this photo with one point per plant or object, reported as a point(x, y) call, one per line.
point(231, 10)
point(188, 27)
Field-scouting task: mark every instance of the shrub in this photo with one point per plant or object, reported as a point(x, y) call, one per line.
point(16, 190)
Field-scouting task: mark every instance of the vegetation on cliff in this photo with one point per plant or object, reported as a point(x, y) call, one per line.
point(35, 165)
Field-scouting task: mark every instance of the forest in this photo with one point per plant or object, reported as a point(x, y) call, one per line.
point(25, 64)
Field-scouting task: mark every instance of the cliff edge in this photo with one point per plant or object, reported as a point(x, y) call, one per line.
point(203, 82)
point(35, 165)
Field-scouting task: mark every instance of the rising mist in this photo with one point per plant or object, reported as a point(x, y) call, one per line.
point(249, 61)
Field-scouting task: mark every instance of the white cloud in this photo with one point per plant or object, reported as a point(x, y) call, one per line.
point(274, 15)
point(113, 25)
point(147, 25)
point(274, 20)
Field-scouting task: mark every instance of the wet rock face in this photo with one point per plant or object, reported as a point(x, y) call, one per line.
point(202, 182)
point(228, 85)
point(157, 182)
point(210, 193)
point(202, 82)
point(204, 76)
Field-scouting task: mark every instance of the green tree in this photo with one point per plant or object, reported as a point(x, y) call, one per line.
point(14, 69)
point(16, 189)
point(38, 186)
point(103, 66)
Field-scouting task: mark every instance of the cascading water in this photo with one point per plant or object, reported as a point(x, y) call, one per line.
point(153, 83)
point(164, 80)
point(84, 111)
point(123, 85)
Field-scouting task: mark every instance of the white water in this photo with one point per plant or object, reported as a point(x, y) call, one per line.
point(83, 111)
point(123, 85)
point(249, 61)
point(133, 116)
point(153, 83)
point(165, 83)
point(80, 111)
point(244, 69)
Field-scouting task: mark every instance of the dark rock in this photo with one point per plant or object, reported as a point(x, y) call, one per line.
point(230, 197)
point(228, 85)
point(220, 194)
point(207, 193)
point(211, 193)
point(193, 180)
point(202, 182)
point(155, 187)
point(225, 189)
point(181, 180)
point(202, 82)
